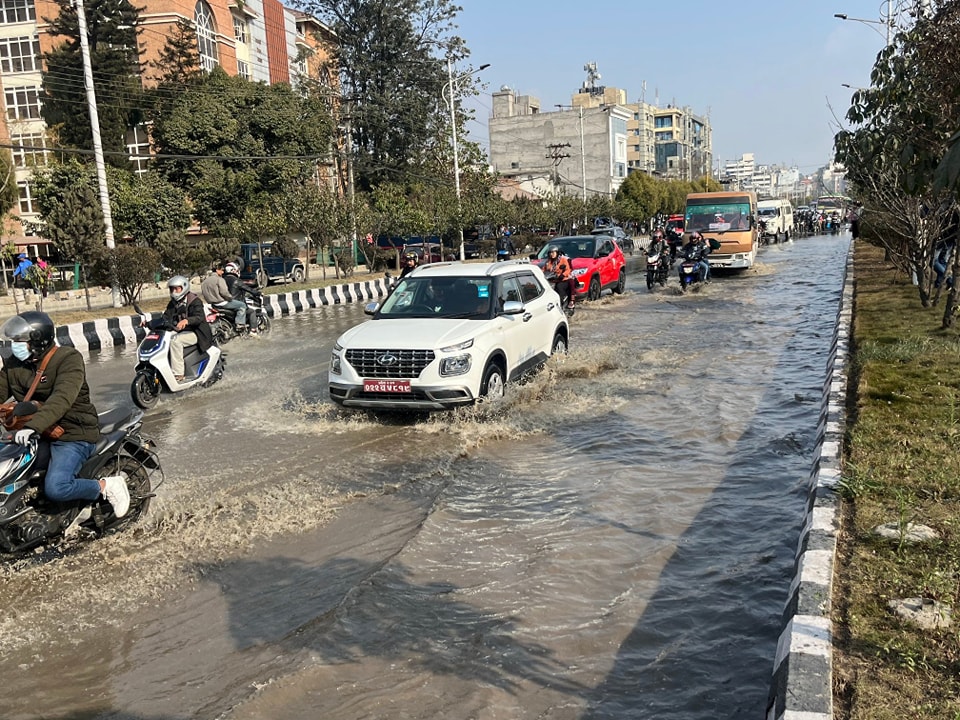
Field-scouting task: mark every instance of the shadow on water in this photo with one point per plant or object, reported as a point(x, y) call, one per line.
point(664, 668)
point(346, 611)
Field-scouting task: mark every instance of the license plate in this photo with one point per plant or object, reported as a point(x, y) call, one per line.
point(386, 386)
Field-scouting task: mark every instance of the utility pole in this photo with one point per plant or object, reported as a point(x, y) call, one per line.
point(97, 145)
point(350, 185)
point(557, 156)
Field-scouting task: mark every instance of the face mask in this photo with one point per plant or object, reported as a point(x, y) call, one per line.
point(21, 350)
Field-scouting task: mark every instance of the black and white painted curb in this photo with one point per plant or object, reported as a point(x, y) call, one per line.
point(108, 332)
point(802, 687)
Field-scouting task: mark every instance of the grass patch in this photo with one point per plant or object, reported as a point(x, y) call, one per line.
point(902, 465)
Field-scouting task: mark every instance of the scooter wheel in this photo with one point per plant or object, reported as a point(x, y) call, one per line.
point(145, 390)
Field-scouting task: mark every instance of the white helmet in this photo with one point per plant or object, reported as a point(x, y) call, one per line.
point(178, 281)
point(232, 267)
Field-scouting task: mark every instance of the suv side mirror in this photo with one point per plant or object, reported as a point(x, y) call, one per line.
point(512, 307)
point(371, 308)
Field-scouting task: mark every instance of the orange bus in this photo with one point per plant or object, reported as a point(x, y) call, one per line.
point(727, 217)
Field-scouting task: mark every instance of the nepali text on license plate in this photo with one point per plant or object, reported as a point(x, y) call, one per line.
point(386, 386)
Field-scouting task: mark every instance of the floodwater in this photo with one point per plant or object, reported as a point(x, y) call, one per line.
point(615, 540)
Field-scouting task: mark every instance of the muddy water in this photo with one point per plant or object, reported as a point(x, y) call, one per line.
point(614, 541)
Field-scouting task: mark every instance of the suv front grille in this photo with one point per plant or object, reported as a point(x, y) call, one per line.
point(407, 364)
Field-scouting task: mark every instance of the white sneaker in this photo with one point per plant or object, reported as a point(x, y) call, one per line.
point(116, 493)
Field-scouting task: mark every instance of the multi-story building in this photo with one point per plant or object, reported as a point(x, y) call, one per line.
point(580, 150)
point(683, 143)
point(260, 40)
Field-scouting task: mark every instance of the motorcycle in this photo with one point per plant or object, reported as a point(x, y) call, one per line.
point(658, 269)
point(154, 373)
point(691, 274)
point(223, 320)
point(28, 519)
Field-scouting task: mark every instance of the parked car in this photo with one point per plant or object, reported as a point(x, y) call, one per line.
point(274, 268)
point(597, 261)
point(435, 252)
point(448, 335)
point(617, 233)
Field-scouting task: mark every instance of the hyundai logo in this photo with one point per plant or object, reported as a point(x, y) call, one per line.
point(387, 359)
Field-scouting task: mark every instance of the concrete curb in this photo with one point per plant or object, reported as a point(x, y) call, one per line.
point(802, 687)
point(110, 332)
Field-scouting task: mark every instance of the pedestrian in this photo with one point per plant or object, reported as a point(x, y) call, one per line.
point(20, 279)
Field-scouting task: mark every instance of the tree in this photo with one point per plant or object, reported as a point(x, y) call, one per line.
point(69, 208)
point(144, 206)
point(267, 135)
point(132, 265)
point(388, 68)
point(113, 32)
point(319, 214)
point(640, 197)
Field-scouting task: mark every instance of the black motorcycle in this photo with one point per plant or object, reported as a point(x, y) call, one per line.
point(223, 320)
point(28, 519)
point(658, 269)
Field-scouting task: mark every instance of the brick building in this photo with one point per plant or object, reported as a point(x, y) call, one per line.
point(260, 40)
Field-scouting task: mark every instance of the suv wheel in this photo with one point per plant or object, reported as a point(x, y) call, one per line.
point(262, 279)
point(593, 293)
point(559, 346)
point(493, 386)
point(297, 275)
point(621, 282)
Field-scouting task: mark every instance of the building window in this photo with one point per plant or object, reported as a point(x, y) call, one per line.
point(240, 31)
point(243, 69)
point(206, 42)
point(665, 135)
point(25, 152)
point(19, 54)
point(23, 103)
point(138, 148)
point(17, 11)
point(665, 121)
point(26, 198)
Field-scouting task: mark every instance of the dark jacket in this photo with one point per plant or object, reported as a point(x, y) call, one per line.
point(62, 390)
point(238, 289)
point(190, 308)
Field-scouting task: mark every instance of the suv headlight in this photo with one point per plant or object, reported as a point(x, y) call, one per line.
point(456, 365)
point(335, 359)
point(579, 271)
point(465, 345)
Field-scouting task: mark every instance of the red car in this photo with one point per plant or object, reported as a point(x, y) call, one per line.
point(597, 261)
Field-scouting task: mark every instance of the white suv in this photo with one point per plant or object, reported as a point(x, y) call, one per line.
point(448, 334)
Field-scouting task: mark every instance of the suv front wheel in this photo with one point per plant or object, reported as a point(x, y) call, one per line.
point(493, 386)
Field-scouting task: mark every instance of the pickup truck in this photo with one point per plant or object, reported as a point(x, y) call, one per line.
point(274, 268)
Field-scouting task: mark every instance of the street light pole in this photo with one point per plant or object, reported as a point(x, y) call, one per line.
point(97, 145)
point(888, 24)
point(453, 134)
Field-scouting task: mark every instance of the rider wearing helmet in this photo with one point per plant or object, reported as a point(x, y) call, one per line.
point(239, 291)
point(696, 250)
point(658, 243)
point(66, 415)
point(185, 313)
point(410, 263)
point(558, 271)
point(215, 291)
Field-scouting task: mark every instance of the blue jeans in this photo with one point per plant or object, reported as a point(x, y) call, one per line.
point(239, 306)
point(61, 483)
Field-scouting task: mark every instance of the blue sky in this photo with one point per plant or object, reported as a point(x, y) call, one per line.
point(769, 72)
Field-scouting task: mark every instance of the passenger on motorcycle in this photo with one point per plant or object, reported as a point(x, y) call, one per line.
point(696, 250)
point(185, 313)
point(558, 271)
point(215, 291)
point(62, 389)
point(239, 291)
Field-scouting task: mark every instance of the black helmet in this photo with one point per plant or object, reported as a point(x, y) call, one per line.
point(32, 327)
point(410, 256)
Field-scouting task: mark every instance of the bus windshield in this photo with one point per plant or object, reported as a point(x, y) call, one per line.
point(718, 217)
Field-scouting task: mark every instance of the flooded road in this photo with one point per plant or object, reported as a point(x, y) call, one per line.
point(615, 541)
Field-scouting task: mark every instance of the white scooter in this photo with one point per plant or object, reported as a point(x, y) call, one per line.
point(154, 374)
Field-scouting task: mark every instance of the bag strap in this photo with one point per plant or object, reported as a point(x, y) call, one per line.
point(36, 379)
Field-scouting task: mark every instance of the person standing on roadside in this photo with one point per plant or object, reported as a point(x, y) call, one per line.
point(20, 272)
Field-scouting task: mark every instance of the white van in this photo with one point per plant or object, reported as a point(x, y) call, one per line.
point(777, 218)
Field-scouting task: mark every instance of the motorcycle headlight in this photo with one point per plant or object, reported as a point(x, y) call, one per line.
point(456, 365)
point(579, 271)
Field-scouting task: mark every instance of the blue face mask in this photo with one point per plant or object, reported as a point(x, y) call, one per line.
point(21, 350)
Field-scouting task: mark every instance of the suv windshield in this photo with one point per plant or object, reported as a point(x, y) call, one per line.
point(439, 297)
point(768, 212)
point(572, 247)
